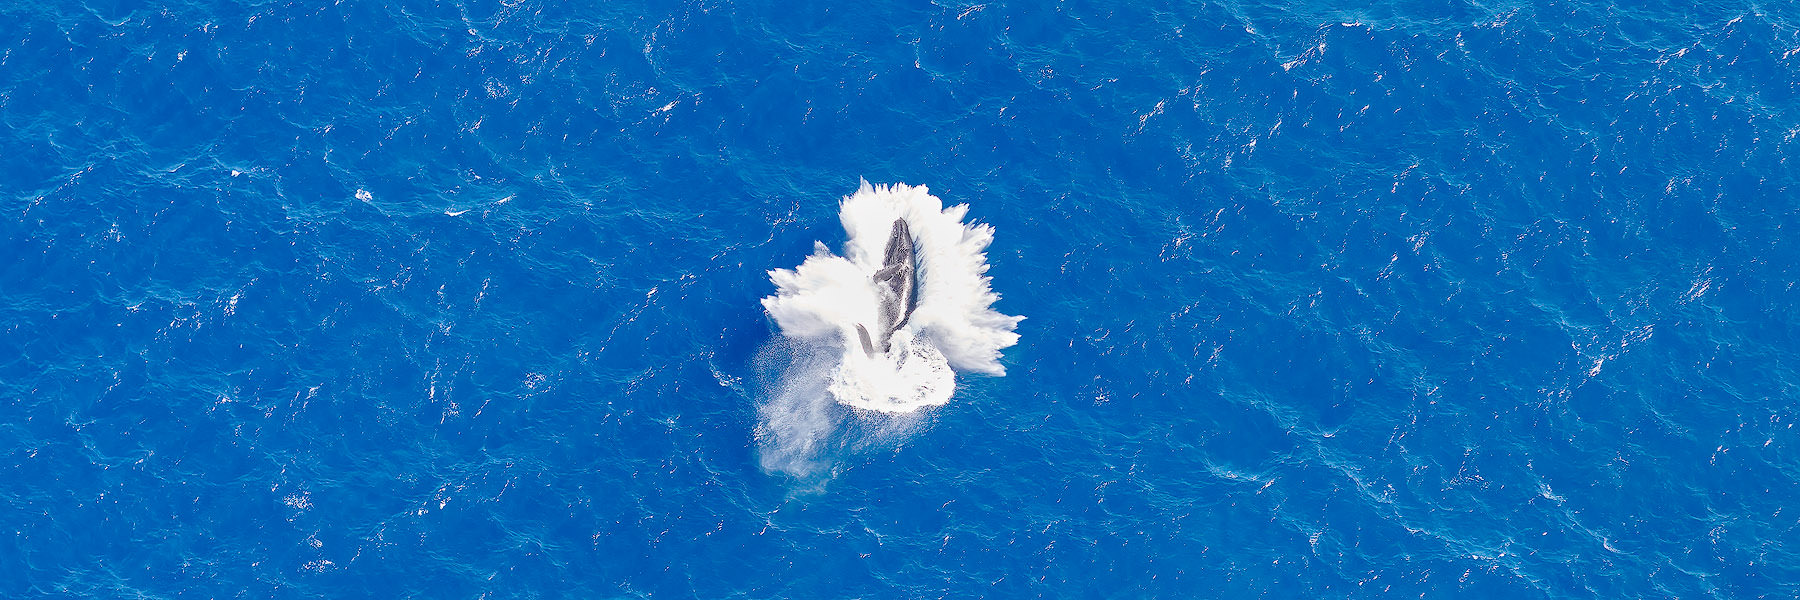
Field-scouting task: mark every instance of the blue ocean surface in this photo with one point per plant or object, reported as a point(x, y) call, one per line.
point(463, 299)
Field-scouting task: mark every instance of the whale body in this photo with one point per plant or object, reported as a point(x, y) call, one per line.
point(894, 285)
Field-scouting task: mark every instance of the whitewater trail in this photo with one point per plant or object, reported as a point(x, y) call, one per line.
point(819, 304)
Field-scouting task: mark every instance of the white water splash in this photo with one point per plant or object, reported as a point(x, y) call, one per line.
point(819, 304)
point(953, 327)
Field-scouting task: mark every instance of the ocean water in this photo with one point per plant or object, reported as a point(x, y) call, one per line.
point(459, 299)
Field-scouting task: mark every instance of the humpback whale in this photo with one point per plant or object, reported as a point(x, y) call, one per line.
point(894, 284)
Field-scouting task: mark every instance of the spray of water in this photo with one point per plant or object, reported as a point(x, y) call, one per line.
point(826, 382)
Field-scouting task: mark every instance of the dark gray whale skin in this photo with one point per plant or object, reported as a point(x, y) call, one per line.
point(894, 284)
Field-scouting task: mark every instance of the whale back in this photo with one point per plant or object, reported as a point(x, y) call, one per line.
point(895, 283)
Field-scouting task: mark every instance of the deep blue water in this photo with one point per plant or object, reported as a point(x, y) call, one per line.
point(459, 299)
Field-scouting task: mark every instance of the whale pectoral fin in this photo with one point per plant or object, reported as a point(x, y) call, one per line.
point(888, 272)
point(863, 332)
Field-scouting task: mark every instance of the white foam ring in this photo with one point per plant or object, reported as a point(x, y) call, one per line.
point(953, 327)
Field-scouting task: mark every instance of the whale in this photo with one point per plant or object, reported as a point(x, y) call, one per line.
point(895, 289)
